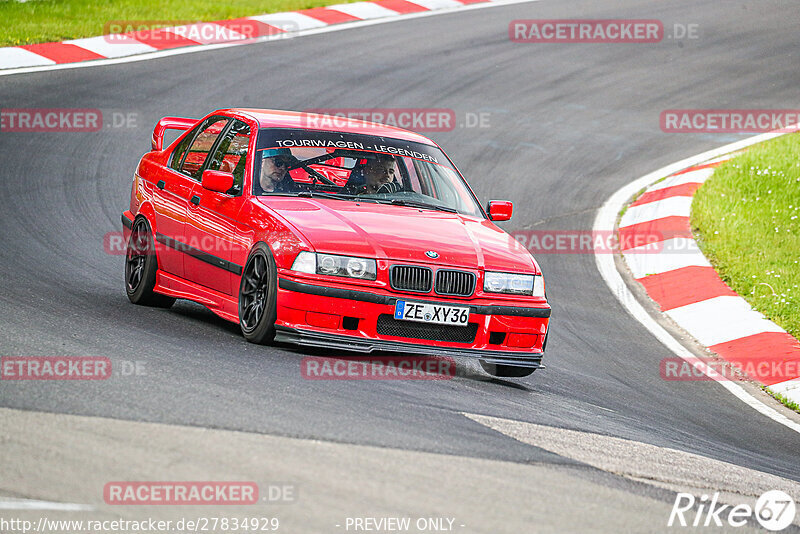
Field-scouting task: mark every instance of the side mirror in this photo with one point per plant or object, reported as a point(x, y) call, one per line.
point(218, 181)
point(500, 210)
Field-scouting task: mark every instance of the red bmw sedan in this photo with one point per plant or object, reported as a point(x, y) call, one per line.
point(334, 233)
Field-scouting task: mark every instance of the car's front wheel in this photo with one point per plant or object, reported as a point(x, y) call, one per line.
point(141, 265)
point(506, 371)
point(258, 292)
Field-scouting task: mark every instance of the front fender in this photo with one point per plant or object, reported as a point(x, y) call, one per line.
point(263, 225)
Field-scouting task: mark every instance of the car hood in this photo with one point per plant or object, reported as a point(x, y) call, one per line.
point(401, 233)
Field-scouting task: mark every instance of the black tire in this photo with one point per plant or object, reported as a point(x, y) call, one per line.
point(258, 293)
point(141, 265)
point(506, 371)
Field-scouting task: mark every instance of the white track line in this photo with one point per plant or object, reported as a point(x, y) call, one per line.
point(290, 21)
point(604, 222)
point(29, 504)
point(690, 177)
point(789, 389)
point(364, 10)
point(668, 255)
point(652, 211)
point(19, 56)
point(721, 319)
point(288, 35)
point(112, 47)
point(436, 4)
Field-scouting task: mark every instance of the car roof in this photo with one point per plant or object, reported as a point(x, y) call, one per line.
point(274, 118)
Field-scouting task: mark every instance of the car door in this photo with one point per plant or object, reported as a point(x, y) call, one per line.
point(170, 195)
point(211, 225)
point(174, 189)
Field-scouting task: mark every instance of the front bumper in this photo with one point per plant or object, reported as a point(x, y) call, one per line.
point(339, 342)
point(350, 319)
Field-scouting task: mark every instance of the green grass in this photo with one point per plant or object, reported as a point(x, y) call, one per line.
point(746, 218)
point(38, 21)
point(783, 400)
point(633, 199)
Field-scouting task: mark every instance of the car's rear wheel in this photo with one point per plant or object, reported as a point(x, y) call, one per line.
point(506, 371)
point(141, 265)
point(258, 292)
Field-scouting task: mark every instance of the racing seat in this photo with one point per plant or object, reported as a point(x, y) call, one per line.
point(355, 182)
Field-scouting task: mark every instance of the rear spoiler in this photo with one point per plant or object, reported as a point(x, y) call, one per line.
point(169, 123)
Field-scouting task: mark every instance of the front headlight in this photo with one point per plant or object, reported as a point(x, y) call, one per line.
point(333, 265)
point(513, 284)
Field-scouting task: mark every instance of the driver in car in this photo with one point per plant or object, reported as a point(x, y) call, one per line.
point(379, 177)
point(275, 177)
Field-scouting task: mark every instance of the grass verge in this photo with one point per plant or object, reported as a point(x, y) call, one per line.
point(39, 21)
point(783, 400)
point(746, 218)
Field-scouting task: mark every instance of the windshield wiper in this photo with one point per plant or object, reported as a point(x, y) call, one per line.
point(337, 196)
point(423, 205)
point(320, 194)
point(361, 198)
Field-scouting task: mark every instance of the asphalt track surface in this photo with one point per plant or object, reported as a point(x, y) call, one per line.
point(568, 125)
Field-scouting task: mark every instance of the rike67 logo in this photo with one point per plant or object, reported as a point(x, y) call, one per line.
point(774, 510)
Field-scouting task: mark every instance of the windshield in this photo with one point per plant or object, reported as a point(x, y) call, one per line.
point(358, 167)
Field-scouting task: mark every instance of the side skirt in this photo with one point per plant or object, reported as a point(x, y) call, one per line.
point(223, 305)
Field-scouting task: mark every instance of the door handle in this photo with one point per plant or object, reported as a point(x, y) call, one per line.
point(161, 184)
point(195, 200)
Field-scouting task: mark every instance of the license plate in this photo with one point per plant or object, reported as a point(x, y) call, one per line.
point(431, 313)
